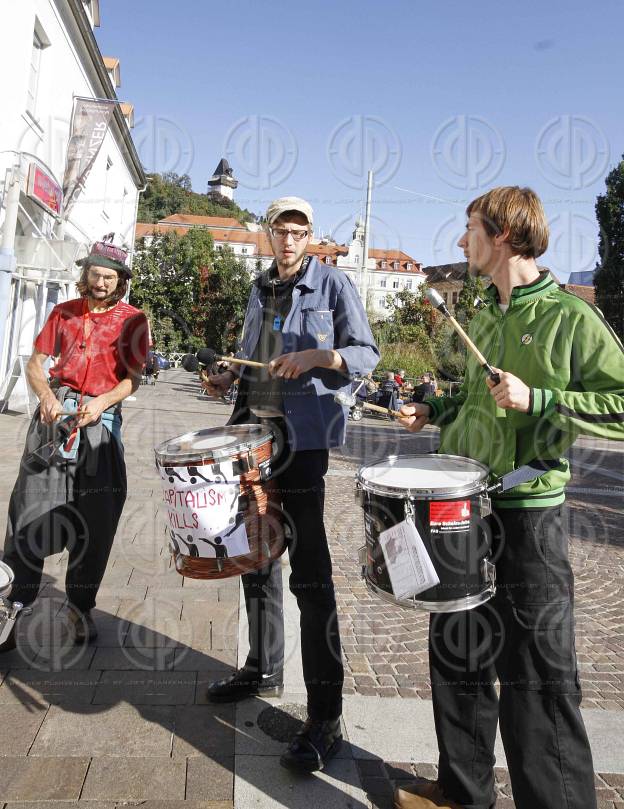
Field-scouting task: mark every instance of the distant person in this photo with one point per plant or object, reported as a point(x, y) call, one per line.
point(425, 388)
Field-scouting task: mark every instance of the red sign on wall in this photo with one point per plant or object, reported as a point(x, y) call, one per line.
point(44, 190)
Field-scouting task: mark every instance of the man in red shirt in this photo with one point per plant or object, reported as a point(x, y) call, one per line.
point(71, 489)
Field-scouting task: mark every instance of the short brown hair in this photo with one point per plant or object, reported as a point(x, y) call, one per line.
point(518, 210)
point(120, 290)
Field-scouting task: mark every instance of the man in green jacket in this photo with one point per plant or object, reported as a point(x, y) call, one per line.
point(561, 372)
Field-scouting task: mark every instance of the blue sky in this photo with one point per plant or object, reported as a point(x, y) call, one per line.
point(443, 99)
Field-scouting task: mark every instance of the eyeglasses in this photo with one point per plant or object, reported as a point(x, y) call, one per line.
point(98, 276)
point(283, 233)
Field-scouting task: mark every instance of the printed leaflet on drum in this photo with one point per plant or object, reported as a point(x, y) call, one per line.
point(409, 566)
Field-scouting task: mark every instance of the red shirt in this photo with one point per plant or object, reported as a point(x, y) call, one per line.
point(95, 350)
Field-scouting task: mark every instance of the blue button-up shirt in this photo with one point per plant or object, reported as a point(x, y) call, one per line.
point(326, 313)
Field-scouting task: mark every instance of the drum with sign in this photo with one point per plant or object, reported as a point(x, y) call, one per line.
point(222, 513)
point(428, 543)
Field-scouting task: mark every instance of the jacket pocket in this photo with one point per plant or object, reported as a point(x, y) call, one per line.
point(317, 328)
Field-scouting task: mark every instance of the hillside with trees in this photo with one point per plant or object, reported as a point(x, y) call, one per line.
point(171, 193)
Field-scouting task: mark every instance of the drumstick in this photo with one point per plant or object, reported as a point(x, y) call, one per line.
point(350, 400)
point(437, 301)
point(207, 356)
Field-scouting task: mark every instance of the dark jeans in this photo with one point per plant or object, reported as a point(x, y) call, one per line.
point(300, 480)
point(85, 525)
point(524, 637)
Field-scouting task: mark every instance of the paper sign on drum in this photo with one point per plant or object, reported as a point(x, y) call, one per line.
point(201, 511)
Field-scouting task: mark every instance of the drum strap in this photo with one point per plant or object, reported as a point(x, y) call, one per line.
point(530, 471)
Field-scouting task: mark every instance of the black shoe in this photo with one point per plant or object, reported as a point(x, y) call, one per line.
point(316, 743)
point(245, 683)
point(81, 626)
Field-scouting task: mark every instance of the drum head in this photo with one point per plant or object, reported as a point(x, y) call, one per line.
point(215, 443)
point(6, 579)
point(425, 475)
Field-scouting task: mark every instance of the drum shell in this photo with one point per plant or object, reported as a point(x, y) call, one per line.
point(457, 555)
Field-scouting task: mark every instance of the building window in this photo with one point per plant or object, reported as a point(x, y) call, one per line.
point(408, 283)
point(382, 283)
point(384, 264)
point(395, 265)
point(243, 250)
point(328, 260)
point(409, 265)
point(455, 295)
point(445, 296)
point(39, 43)
point(395, 285)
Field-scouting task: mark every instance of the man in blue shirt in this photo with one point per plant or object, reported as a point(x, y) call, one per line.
point(305, 319)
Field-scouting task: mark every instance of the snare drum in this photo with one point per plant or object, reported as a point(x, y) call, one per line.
point(6, 580)
point(445, 498)
point(222, 513)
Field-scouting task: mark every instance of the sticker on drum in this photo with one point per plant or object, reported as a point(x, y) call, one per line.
point(202, 510)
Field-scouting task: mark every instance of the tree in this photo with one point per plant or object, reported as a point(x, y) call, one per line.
point(195, 295)
point(220, 311)
point(465, 308)
point(166, 281)
point(609, 277)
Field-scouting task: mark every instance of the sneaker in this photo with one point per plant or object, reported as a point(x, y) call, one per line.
point(245, 683)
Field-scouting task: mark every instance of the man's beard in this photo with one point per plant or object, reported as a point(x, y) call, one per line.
point(101, 297)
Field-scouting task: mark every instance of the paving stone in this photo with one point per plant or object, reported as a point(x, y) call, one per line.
point(31, 779)
point(204, 731)
point(210, 778)
point(145, 688)
point(43, 687)
point(134, 658)
point(137, 780)
point(20, 724)
point(214, 660)
point(64, 805)
point(118, 730)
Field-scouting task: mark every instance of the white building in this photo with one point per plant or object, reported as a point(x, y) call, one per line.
point(389, 271)
point(48, 56)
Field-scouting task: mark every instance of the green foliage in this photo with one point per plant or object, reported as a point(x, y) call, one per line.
point(223, 300)
point(195, 295)
point(172, 193)
point(472, 289)
point(609, 278)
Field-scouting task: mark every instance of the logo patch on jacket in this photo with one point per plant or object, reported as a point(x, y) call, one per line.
point(322, 337)
point(526, 339)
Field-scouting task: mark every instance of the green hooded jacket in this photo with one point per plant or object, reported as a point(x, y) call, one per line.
point(564, 350)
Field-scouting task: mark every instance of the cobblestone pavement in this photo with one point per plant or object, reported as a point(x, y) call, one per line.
point(125, 720)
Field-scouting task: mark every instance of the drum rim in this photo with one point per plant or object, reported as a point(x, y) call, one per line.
point(452, 605)
point(187, 456)
point(423, 492)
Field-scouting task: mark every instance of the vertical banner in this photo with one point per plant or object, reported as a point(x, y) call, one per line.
point(90, 120)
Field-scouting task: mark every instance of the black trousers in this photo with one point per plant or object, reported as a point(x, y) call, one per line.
point(85, 524)
point(524, 637)
point(301, 482)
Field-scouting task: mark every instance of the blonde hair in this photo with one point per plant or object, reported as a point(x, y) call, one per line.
point(518, 211)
